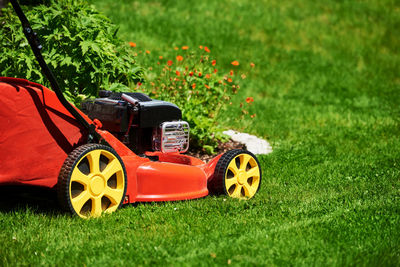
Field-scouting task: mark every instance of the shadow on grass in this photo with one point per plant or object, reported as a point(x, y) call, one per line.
point(40, 200)
point(37, 199)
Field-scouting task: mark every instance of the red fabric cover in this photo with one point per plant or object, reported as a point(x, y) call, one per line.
point(36, 133)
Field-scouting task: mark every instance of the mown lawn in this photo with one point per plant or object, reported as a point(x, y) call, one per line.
point(326, 85)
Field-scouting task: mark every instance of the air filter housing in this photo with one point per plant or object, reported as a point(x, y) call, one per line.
point(171, 136)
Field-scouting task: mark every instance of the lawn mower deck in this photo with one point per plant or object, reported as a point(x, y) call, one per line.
point(120, 149)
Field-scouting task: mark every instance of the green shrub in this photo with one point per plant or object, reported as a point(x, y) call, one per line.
point(79, 44)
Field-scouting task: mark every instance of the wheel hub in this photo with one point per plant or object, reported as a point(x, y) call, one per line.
point(97, 185)
point(242, 177)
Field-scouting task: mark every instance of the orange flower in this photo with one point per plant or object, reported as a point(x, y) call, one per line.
point(160, 57)
point(231, 73)
point(208, 87)
point(177, 73)
point(235, 63)
point(252, 116)
point(147, 51)
point(185, 47)
point(191, 73)
point(215, 70)
point(249, 100)
point(213, 62)
point(169, 62)
point(206, 49)
point(193, 86)
point(252, 65)
point(200, 74)
point(176, 48)
point(179, 58)
point(132, 44)
point(208, 76)
point(229, 80)
point(201, 47)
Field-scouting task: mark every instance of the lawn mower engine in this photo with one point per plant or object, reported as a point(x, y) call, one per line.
point(141, 123)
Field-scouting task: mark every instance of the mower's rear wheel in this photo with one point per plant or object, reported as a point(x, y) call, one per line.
point(237, 174)
point(92, 180)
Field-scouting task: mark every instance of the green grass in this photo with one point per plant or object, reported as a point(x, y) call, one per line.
point(327, 96)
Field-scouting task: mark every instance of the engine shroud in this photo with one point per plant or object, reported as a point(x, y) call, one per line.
point(135, 125)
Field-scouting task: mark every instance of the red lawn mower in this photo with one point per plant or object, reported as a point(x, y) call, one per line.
point(119, 148)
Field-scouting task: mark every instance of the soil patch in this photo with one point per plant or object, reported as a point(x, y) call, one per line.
point(222, 148)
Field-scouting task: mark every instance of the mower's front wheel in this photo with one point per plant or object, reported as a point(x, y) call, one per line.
point(92, 180)
point(237, 174)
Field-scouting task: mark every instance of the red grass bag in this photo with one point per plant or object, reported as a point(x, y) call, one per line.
point(36, 133)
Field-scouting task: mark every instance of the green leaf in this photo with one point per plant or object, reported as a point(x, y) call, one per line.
point(85, 46)
point(118, 87)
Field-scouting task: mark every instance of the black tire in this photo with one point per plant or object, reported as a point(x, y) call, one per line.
point(243, 184)
point(92, 180)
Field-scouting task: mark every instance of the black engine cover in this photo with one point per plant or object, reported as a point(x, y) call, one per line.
point(153, 113)
point(114, 113)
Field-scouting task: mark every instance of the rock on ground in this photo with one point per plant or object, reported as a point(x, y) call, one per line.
point(253, 143)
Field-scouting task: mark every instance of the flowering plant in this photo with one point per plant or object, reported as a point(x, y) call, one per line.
point(190, 78)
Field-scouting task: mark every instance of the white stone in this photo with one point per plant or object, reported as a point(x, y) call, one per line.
point(253, 144)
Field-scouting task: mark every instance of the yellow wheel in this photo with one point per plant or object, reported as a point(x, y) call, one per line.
point(237, 174)
point(92, 180)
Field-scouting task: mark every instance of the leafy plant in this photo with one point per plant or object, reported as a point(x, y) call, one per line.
point(80, 45)
point(190, 79)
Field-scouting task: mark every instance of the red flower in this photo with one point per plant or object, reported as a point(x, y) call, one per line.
point(249, 100)
point(193, 85)
point(206, 49)
point(229, 80)
point(235, 63)
point(132, 44)
point(231, 73)
point(200, 74)
point(208, 76)
point(139, 84)
point(213, 62)
point(185, 47)
point(179, 58)
point(215, 70)
point(177, 73)
point(208, 87)
point(191, 73)
point(252, 64)
point(169, 62)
